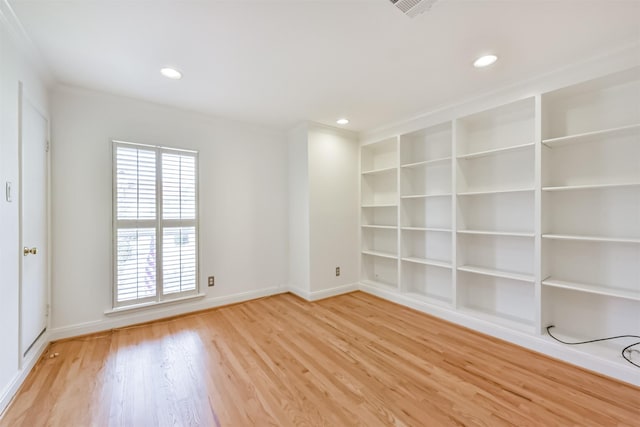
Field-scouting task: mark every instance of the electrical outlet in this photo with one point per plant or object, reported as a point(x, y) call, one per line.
point(211, 281)
point(337, 271)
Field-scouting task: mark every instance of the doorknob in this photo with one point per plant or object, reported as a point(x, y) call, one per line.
point(31, 251)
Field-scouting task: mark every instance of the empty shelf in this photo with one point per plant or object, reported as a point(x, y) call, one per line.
point(441, 230)
point(497, 233)
point(590, 238)
point(594, 289)
point(423, 196)
point(379, 205)
point(591, 186)
point(479, 193)
point(376, 171)
point(427, 162)
point(497, 273)
point(496, 151)
point(425, 261)
point(380, 254)
point(591, 136)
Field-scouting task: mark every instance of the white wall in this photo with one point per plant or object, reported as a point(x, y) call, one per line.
point(243, 203)
point(333, 207)
point(14, 68)
point(298, 210)
point(323, 210)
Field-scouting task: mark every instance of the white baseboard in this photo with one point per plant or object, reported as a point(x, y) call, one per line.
point(324, 293)
point(27, 365)
point(537, 343)
point(332, 292)
point(151, 314)
point(155, 314)
point(305, 295)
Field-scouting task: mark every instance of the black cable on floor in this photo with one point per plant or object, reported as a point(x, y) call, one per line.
point(601, 339)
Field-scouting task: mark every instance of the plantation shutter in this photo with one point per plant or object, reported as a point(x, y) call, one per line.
point(178, 222)
point(155, 223)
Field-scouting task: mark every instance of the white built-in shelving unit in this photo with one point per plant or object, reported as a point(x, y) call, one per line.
point(379, 213)
point(425, 214)
point(495, 214)
point(591, 208)
point(523, 215)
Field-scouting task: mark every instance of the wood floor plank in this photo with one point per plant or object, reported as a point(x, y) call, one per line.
point(352, 360)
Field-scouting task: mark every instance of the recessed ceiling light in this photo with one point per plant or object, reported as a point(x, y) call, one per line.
point(485, 61)
point(342, 121)
point(171, 73)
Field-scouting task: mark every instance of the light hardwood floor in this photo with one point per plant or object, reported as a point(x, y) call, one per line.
point(345, 361)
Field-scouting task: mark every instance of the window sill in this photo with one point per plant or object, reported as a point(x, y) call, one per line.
point(148, 305)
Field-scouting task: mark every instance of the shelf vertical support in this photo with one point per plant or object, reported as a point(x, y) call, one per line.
point(361, 214)
point(454, 214)
point(537, 266)
point(398, 214)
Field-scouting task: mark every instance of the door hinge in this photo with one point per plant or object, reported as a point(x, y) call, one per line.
point(47, 146)
point(46, 312)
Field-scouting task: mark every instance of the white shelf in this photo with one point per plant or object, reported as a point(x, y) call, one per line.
point(497, 273)
point(382, 227)
point(500, 318)
point(424, 196)
point(440, 230)
point(479, 193)
point(591, 186)
point(590, 238)
point(379, 205)
point(496, 151)
point(380, 254)
point(497, 233)
point(599, 290)
point(427, 162)
point(429, 298)
point(425, 261)
point(590, 136)
point(379, 171)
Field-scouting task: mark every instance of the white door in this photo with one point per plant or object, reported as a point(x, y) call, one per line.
point(34, 173)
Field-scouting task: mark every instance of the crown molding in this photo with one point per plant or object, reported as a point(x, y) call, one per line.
point(623, 57)
point(23, 43)
point(345, 132)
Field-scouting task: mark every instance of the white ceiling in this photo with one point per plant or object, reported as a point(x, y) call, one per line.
point(281, 62)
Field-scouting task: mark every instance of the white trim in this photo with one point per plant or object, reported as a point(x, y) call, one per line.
point(147, 305)
point(305, 295)
point(335, 130)
point(28, 364)
point(332, 292)
point(165, 311)
point(147, 313)
point(536, 343)
point(324, 293)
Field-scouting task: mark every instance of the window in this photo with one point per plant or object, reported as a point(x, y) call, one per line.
point(155, 223)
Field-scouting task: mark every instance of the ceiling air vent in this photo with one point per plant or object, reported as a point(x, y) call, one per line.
point(413, 8)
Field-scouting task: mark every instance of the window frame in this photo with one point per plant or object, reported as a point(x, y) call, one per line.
point(158, 224)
